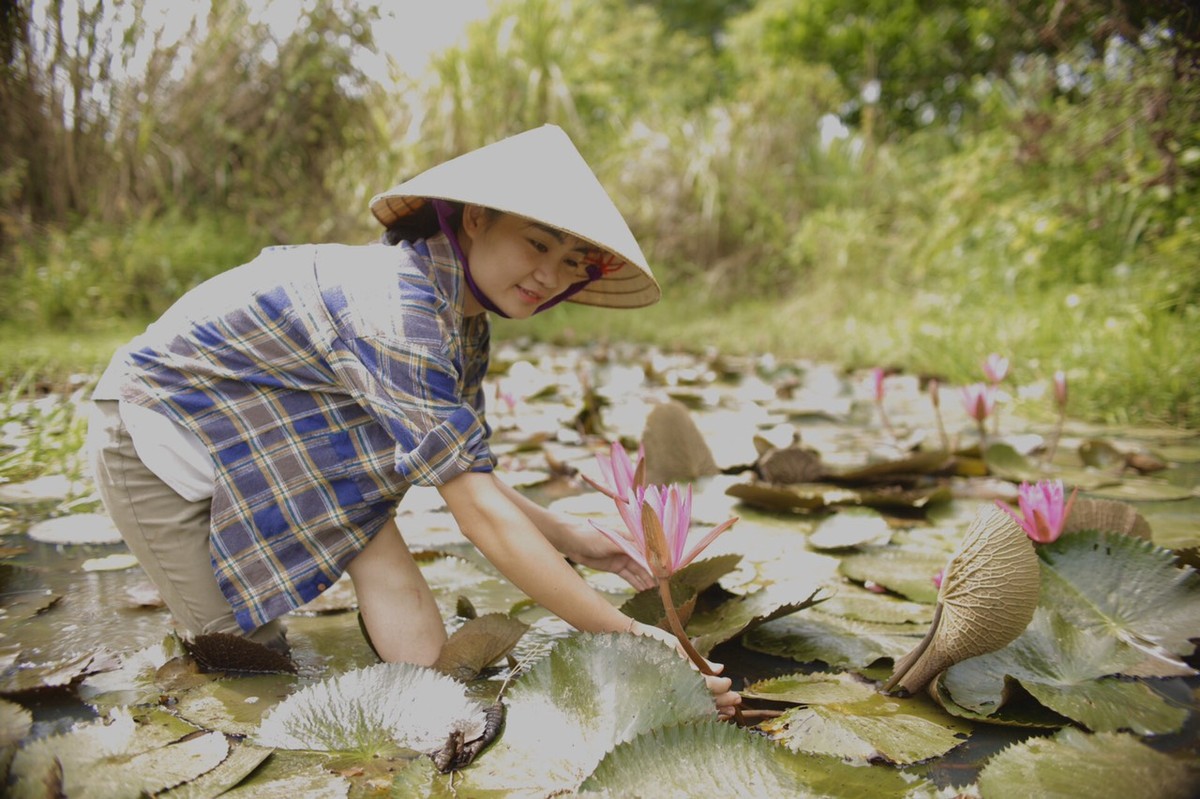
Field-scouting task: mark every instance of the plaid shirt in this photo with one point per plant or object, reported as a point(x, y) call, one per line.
point(324, 380)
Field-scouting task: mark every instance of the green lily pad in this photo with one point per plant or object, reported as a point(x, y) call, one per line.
point(921, 463)
point(591, 693)
point(374, 711)
point(242, 760)
point(1125, 587)
point(1061, 665)
point(900, 731)
point(803, 497)
point(1143, 489)
point(850, 528)
point(1073, 763)
point(693, 579)
point(811, 636)
point(732, 618)
point(855, 602)
point(820, 688)
point(234, 706)
point(1004, 461)
point(289, 775)
point(708, 759)
point(115, 757)
point(907, 570)
point(1028, 713)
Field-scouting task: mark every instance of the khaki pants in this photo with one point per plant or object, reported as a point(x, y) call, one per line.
point(167, 533)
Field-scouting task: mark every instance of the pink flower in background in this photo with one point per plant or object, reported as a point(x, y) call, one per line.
point(877, 376)
point(1060, 388)
point(979, 400)
point(1043, 512)
point(995, 368)
point(937, 579)
point(672, 509)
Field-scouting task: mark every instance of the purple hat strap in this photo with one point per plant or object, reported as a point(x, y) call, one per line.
point(445, 211)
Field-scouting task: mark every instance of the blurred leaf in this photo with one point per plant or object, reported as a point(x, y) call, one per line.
point(1074, 763)
point(1142, 489)
point(850, 528)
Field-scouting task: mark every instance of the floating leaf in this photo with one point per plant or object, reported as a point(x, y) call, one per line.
point(1061, 664)
point(812, 636)
point(109, 563)
point(857, 603)
point(242, 760)
point(1004, 461)
point(233, 706)
point(290, 781)
point(1027, 713)
point(1142, 489)
point(796, 497)
point(115, 758)
point(591, 693)
point(80, 528)
point(695, 578)
point(374, 710)
point(675, 448)
point(1122, 586)
point(820, 688)
point(900, 731)
point(223, 652)
point(479, 643)
point(1073, 763)
point(708, 758)
point(851, 528)
point(922, 463)
point(732, 618)
point(57, 673)
point(988, 594)
point(1106, 516)
point(907, 570)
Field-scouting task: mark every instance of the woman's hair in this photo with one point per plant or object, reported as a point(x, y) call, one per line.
point(420, 224)
point(423, 223)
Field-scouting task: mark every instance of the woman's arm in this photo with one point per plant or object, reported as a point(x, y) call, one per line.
point(491, 519)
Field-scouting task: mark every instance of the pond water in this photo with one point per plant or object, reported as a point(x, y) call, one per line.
point(55, 611)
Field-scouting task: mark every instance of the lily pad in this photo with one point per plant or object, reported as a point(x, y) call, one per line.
point(803, 497)
point(1061, 664)
point(693, 579)
point(479, 643)
point(922, 463)
point(373, 711)
point(115, 757)
point(851, 528)
point(707, 759)
point(1073, 763)
point(591, 693)
point(79, 528)
point(820, 688)
point(738, 615)
point(243, 759)
point(855, 602)
point(900, 731)
point(233, 706)
point(1143, 489)
point(1004, 461)
point(907, 570)
point(1122, 586)
point(811, 636)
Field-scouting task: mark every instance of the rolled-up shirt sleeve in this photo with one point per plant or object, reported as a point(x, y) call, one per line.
point(414, 390)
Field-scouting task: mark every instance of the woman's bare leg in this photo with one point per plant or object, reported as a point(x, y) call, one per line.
point(397, 606)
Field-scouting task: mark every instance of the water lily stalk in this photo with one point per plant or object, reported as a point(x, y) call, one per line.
point(935, 398)
point(995, 369)
point(1060, 399)
point(979, 400)
point(659, 558)
point(877, 376)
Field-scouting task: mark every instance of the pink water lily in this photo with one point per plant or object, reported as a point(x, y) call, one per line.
point(672, 509)
point(995, 368)
point(1043, 511)
point(619, 473)
point(1060, 388)
point(877, 376)
point(979, 400)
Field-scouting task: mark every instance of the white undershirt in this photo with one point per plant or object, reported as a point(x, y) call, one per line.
point(175, 454)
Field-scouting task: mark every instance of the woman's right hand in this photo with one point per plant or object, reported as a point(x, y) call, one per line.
point(724, 698)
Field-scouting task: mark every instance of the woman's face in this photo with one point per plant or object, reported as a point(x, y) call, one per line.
point(517, 263)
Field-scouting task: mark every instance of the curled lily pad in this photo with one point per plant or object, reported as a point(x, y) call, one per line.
point(988, 595)
point(1108, 516)
point(479, 643)
point(675, 448)
point(1073, 763)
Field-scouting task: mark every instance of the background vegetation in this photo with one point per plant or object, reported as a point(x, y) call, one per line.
point(906, 183)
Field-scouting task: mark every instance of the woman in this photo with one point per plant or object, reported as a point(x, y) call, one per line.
point(253, 443)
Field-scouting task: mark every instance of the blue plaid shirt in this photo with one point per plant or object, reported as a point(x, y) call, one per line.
point(324, 380)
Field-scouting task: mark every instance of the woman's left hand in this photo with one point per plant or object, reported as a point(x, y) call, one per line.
point(584, 545)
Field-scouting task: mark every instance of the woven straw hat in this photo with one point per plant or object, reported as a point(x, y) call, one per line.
point(539, 175)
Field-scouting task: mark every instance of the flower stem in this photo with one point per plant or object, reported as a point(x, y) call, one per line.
point(1053, 448)
point(685, 643)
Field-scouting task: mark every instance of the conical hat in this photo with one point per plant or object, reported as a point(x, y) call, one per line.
point(539, 175)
